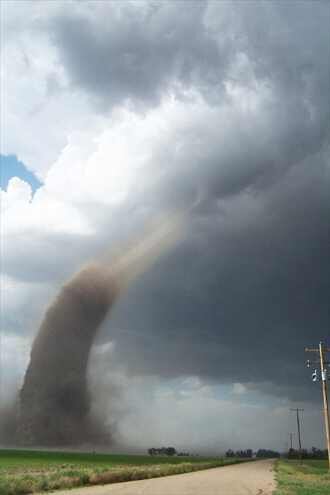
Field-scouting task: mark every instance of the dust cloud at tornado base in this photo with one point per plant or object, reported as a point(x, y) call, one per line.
point(53, 407)
point(54, 401)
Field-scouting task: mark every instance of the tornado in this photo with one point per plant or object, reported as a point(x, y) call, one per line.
point(54, 402)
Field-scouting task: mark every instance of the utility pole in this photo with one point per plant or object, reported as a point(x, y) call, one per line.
point(291, 441)
point(322, 350)
point(297, 411)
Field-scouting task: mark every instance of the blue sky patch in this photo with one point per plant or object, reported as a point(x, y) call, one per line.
point(11, 167)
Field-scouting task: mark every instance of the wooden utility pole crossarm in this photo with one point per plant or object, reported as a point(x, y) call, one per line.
point(310, 349)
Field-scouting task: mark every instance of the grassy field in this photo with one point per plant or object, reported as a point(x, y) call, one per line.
point(309, 478)
point(23, 471)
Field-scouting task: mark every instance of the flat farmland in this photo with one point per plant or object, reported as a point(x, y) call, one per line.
point(28, 471)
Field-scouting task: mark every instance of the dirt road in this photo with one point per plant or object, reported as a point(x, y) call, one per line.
point(252, 478)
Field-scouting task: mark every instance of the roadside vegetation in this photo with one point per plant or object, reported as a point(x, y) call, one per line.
point(23, 472)
point(311, 477)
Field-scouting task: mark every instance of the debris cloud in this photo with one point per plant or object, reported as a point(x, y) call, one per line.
point(54, 401)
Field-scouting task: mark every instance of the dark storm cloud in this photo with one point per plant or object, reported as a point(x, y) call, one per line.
point(279, 49)
point(138, 52)
point(246, 292)
point(118, 52)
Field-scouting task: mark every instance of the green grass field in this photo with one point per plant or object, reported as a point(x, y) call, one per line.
point(28, 471)
point(310, 477)
point(15, 459)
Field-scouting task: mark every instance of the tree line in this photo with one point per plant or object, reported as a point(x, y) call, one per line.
point(162, 451)
point(248, 453)
point(313, 453)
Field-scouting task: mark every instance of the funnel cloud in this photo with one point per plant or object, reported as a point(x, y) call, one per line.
point(54, 402)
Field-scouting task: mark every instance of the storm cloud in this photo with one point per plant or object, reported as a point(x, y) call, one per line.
point(262, 292)
point(220, 107)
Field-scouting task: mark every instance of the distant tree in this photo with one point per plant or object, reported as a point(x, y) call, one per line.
point(267, 453)
point(318, 453)
point(230, 453)
point(243, 454)
point(292, 454)
point(162, 451)
point(170, 451)
point(313, 453)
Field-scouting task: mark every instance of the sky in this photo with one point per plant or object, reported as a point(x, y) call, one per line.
point(11, 167)
point(115, 113)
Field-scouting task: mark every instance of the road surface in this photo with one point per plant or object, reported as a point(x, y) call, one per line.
point(251, 478)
